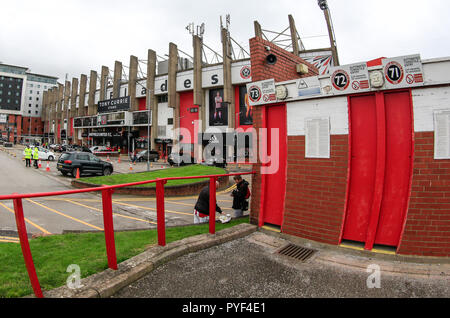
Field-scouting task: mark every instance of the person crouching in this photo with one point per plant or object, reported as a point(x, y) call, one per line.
point(201, 210)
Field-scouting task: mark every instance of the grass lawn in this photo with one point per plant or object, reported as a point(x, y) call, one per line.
point(53, 254)
point(191, 170)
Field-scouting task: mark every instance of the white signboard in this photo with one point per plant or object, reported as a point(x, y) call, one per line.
point(308, 86)
point(403, 71)
point(3, 119)
point(262, 92)
point(350, 79)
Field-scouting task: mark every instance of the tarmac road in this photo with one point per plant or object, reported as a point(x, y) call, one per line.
point(81, 212)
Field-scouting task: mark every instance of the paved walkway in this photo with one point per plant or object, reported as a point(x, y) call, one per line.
point(243, 262)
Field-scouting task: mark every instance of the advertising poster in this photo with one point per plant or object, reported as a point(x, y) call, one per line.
point(218, 111)
point(245, 110)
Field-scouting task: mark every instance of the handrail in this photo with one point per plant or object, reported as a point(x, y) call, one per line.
point(111, 187)
point(107, 192)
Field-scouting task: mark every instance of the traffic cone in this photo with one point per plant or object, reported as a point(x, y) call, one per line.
point(78, 173)
point(39, 165)
point(118, 161)
point(131, 167)
point(107, 159)
point(48, 167)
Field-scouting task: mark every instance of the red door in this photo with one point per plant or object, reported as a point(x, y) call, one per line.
point(380, 171)
point(363, 162)
point(398, 168)
point(275, 183)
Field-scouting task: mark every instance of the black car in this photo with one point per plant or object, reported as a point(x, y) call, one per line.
point(69, 162)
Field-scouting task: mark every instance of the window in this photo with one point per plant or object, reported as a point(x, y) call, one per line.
point(83, 157)
point(162, 98)
point(31, 92)
point(29, 105)
point(169, 121)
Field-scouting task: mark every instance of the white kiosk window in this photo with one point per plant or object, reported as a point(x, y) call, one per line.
point(317, 137)
point(442, 134)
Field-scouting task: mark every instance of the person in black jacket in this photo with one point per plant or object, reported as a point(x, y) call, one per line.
point(201, 210)
point(239, 194)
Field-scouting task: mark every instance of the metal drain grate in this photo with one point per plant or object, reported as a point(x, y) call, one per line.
point(297, 252)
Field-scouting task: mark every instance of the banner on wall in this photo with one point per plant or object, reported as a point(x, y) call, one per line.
point(245, 110)
point(218, 111)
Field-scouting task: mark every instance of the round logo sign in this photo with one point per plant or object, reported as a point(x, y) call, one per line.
point(340, 80)
point(394, 72)
point(254, 94)
point(246, 72)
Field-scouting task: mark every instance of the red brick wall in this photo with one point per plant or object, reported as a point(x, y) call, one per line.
point(283, 70)
point(15, 125)
point(316, 191)
point(36, 123)
point(427, 229)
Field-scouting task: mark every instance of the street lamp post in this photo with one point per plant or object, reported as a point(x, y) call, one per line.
point(148, 130)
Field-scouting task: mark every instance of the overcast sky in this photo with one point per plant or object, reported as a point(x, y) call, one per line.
point(55, 37)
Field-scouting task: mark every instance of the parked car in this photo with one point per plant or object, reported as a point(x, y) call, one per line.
point(56, 147)
point(143, 156)
point(98, 149)
point(80, 148)
point(175, 159)
point(214, 162)
point(88, 163)
point(44, 154)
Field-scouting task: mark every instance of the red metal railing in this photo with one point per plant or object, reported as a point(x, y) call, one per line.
point(108, 223)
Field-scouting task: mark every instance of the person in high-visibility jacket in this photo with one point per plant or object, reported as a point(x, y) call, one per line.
point(28, 154)
point(36, 157)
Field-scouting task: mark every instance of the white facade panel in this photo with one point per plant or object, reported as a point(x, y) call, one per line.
point(336, 108)
point(164, 113)
point(425, 102)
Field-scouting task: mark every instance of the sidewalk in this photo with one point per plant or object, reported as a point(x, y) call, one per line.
point(244, 262)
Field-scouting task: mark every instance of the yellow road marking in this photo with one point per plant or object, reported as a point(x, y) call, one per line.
point(121, 215)
point(27, 220)
point(6, 241)
point(150, 209)
point(10, 238)
point(65, 215)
